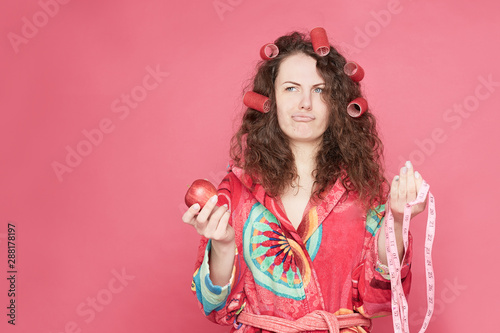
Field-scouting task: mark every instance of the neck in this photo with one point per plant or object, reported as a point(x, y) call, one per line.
point(305, 157)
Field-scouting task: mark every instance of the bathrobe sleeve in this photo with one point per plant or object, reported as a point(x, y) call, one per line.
point(371, 281)
point(219, 304)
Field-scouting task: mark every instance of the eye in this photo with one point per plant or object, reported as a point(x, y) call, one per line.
point(290, 88)
point(318, 90)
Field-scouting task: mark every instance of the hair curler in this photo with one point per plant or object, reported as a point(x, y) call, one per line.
point(269, 51)
point(354, 71)
point(257, 101)
point(357, 107)
point(319, 41)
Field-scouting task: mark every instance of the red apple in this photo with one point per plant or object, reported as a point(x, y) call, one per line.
point(199, 192)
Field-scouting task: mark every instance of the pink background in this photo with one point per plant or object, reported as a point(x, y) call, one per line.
point(117, 210)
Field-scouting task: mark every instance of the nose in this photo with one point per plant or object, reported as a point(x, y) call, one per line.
point(306, 102)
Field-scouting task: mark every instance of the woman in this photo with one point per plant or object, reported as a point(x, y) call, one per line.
point(296, 233)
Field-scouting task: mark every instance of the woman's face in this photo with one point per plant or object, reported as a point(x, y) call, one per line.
point(302, 112)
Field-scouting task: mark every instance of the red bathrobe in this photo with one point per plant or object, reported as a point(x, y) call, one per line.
point(330, 263)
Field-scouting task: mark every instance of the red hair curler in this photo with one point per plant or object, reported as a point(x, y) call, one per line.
point(257, 101)
point(269, 51)
point(320, 41)
point(357, 107)
point(354, 71)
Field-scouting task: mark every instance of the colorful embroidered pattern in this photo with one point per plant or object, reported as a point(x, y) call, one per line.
point(212, 297)
point(309, 225)
point(311, 232)
point(374, 219)
point(383, 270)
point(273, 258)
point(313, 243)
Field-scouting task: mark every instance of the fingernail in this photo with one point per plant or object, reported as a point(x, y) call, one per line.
point(196, 206)
point(408, 164)
point(396, 178)
point(404, 169)
point(224, 205)
point(417, 174)
point(214, 199)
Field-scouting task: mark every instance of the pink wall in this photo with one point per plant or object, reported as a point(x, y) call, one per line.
point(105, 226)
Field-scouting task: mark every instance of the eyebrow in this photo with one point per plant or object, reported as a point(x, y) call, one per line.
point(298, 84)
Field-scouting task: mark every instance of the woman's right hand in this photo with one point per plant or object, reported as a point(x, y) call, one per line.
point(211, 222)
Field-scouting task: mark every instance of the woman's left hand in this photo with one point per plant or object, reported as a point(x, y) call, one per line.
point(404, 189)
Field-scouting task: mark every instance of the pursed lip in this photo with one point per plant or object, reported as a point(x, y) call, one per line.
point(301, 116)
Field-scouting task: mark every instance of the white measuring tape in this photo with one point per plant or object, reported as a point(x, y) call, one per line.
point(398, 300)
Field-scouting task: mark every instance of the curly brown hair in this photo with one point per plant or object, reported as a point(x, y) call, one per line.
point(350, 149)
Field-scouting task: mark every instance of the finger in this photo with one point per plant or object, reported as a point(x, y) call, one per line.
point(395, 187)
point(188, 216)
point(393, 200)
point(418, 181)
point(402, 186)
point(207, 210)
point(411, 189)
point(214, 221)
point(221, 231)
